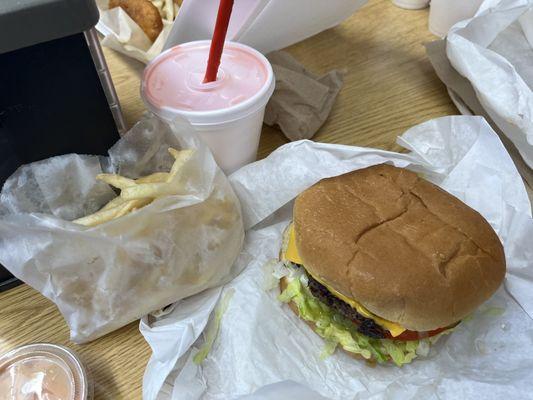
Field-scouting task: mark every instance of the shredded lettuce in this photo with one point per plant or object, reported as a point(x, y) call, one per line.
point(339, 331)
point(211, 331)
point(328, 349)
point(494, 311)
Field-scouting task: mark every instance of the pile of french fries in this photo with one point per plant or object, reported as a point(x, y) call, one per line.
point(137, 193)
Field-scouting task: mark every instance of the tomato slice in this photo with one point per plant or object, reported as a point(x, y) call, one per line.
point(414, 335)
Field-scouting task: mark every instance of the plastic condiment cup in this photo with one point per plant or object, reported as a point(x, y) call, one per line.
point(411, 4)
point(228, 113)
point(443, 14)
point(44, 371)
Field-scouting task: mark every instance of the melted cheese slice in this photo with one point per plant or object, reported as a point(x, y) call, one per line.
point(291, 254)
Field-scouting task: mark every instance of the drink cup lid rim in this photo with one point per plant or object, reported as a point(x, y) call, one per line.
point(228, 114)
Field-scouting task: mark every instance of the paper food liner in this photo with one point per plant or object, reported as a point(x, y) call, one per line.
point(263, 351)
point(121, 33)
point(494, 51)
point(102, 278)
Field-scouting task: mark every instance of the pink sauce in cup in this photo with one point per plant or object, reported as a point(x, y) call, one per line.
point(43, 371)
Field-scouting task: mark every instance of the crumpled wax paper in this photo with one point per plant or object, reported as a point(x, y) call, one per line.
point(494, 52)
point(121, 33)
point(302, 100)
point(104, 277)
point(263, 351)
point(464, 97)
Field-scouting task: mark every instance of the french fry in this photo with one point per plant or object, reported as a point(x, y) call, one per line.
point(113, 203)
point(137, 193)
point(181, 158)
point(132, 205)
point(157, 177)
point(106, 215)
point(98, 217)
point(116, 180)
point(144, 190)
point(173, 152)
point(159, 189)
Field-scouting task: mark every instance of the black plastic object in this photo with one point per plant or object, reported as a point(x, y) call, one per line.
point(52, 102)
point(25, 23)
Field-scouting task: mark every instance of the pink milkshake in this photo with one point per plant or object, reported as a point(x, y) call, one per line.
point(227, 113)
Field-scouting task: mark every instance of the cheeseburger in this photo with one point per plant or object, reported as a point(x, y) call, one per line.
point(381, 262)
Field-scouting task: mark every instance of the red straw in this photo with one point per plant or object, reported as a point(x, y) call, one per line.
point(217, 43)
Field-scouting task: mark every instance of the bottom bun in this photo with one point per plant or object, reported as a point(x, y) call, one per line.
point(283, 285)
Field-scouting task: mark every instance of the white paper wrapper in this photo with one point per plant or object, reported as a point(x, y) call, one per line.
point(121, 33)
point(261, 342)
point(494, 51)
point(265, 25)
point(104, 277)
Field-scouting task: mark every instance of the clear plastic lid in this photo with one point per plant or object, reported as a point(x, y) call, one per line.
point(44, 372)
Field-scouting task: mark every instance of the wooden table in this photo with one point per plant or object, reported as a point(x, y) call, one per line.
point(389, 87)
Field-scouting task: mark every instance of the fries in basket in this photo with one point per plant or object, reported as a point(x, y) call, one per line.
point(137, 193)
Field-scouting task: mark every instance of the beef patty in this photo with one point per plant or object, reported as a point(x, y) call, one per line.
point(365, 325)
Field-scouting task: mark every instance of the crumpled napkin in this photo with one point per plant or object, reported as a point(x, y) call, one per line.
point(302, 101)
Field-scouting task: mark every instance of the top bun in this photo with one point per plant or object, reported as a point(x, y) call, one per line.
point(407, 250)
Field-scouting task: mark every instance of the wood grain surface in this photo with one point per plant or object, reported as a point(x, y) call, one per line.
point(389, 87)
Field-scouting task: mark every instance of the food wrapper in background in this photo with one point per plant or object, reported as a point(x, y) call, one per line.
point(265, 25)
point(494, 52)
point(121, 33)
point(263, 351)
point(104, 277)
point(464, 97)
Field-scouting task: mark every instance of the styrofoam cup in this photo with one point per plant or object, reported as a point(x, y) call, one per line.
point(231, 132)
point(411, 4)
point(443, 14)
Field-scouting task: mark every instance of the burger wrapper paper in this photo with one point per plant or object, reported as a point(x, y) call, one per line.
point(104, 277)
point(260, 350)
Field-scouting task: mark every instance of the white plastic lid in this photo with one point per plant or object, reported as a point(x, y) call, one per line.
point(216, 116)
